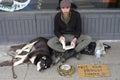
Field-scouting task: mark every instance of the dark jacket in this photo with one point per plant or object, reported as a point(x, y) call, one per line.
point(73, 26)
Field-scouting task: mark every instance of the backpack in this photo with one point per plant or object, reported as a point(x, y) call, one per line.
point(90, 49)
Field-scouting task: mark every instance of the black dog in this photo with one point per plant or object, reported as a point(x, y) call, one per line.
point(37, 52)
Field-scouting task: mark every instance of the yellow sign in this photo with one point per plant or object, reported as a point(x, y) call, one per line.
point(86, 71)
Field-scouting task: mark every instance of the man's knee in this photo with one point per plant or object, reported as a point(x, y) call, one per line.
point(89, 38)
point(84, 38)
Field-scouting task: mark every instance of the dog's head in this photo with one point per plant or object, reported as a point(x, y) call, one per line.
point(44, 63)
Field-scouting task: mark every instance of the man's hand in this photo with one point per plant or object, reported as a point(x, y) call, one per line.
point(62, 38)
point(73, 42)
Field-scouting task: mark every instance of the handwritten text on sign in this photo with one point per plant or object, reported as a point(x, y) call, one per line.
point(93, 71)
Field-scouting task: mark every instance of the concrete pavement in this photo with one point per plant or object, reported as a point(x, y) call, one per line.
point(111, 59)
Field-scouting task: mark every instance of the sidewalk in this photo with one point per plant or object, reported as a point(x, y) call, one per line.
point(111, 59)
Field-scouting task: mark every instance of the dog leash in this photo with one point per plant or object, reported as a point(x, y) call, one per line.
point(13, 71)
point(28, 47)
point(26, 71)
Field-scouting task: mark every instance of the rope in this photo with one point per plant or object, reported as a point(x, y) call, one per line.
point(13, 71)
point(26, 71)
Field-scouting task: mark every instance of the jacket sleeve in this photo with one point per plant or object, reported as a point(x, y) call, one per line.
point(57, 27)
point(78, 26)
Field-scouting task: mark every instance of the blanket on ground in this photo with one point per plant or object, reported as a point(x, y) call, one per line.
point(11, 52)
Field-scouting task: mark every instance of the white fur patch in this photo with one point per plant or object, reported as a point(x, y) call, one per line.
point(26, 48)
point(32, 59)
point(21, 60)
point(38, 66)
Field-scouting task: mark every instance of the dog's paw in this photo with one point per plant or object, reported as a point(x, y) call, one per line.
point(18, 62)
point(15, 64)
point(16, 56)
point(20, 56)
point(18, 51)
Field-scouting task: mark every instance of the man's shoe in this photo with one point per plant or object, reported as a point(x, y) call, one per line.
point(56, 57)
point(57, 54)
point(69, 53)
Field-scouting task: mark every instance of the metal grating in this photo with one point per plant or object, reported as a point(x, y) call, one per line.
point(21, 27)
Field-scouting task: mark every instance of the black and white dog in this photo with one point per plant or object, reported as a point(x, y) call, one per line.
point(37, 52)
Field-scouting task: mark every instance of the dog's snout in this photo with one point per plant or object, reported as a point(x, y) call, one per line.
point(41, 66)
point(42, 69)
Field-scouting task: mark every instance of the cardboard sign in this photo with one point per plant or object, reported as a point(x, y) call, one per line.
point(87, 71)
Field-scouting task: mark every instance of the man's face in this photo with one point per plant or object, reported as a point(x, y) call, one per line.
point(65, 9)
